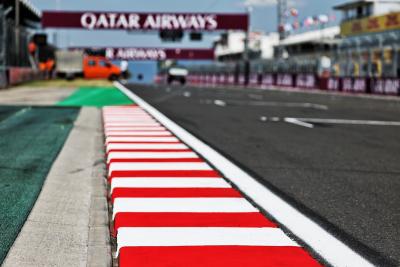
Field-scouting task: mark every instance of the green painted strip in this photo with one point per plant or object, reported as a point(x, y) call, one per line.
point(96, 97)
point(30, 140)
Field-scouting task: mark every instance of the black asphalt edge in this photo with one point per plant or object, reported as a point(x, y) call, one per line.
point(370, 254)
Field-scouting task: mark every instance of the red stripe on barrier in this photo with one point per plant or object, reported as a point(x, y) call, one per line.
point(174, 192)
point(158, 160)
point(149, 142)
point(123, 136)
point(148, 150)
point(160, 174)
point(187, 219)
point(216, 256)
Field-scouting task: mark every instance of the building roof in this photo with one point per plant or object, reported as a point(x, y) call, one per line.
point(322, 36)
point(353, 4)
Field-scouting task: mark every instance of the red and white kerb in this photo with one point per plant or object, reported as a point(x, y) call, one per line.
point(171, 208)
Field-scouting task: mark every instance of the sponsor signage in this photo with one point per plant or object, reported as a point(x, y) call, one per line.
point(333, 84)
point(385, 86)
point(371, 25)
point(306, 81)
point(268, 79)
point(144, 21)
point(284, 80)
point(354, 85)
point(132, 53)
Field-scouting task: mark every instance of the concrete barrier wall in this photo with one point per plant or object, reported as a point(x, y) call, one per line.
point(379, 86)
point(18, 75)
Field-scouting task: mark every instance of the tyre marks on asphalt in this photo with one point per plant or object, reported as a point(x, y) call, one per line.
point(171, 208)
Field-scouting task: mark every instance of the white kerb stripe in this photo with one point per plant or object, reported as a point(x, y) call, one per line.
point(142, 139)
point(325, 244)
point(127, 124)
point(145, 146)
point(151, 155)
point(182, 205)
point(134, 128)
point(129, 119)
point(202, 236)
point(138, 133)
point(158, 166)
point(168, 183)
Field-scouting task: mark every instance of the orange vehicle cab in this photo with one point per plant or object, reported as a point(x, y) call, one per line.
point(97, 67)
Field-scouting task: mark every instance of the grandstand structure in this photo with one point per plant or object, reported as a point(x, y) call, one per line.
point(371, 32)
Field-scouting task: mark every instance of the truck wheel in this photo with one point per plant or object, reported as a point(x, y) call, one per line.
point(70, 77)
point(183, 81)
point(113, 77)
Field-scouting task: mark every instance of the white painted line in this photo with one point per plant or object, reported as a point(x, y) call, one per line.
point(326, 245)
point(151, 155)
point(354, 122)
point(202, 236)
point(158, 166)
point(182, 205)
point(220, 103)
point(116, 146)
point(168, 183)
point(298, 122)
point(142, 139)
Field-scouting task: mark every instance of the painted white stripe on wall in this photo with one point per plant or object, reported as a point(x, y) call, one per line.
point(326, 245)
point(145, 146)
point(151, 155)
point(182, 205)
point(202, 236)
point(142, 139)
point(168, 183)
point(158, 166)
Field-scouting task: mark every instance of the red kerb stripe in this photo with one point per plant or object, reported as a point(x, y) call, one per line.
point(216, 256)
point(174, 192)
point(188, 219)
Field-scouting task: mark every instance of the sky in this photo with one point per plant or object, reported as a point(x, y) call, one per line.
point(263, 18)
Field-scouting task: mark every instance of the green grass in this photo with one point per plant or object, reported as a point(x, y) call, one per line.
point(96, 97)
point(30, 140)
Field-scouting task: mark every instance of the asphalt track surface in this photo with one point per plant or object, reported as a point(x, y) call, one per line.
point(345, 177)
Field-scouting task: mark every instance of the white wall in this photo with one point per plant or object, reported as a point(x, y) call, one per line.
point(385, 7)
point(235, 45)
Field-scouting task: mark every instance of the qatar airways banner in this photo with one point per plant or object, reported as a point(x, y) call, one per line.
point(145, 21)
point(126, 53)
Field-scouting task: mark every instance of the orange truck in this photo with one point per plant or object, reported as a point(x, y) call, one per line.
point(72, 64)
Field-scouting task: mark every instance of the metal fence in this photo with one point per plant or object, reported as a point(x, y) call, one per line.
point(14, 43)
point(13, 47)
